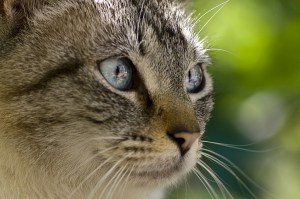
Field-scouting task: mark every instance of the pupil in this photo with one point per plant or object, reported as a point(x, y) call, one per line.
point(190, 76)
point(117, 73)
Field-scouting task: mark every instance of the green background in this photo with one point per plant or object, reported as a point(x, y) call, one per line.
point(255, 46)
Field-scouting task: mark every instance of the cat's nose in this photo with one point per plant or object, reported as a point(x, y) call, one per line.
point(184, 140)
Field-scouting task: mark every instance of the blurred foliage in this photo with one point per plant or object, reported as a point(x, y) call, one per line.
point(255, 46)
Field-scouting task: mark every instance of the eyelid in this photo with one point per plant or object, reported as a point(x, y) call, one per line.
point(191, 66)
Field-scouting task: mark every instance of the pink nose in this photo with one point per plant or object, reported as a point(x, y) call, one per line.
point(185, 140)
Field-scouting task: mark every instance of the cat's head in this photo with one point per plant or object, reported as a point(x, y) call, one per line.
point(114, 87)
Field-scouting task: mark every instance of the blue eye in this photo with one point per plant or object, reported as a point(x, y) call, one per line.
point(194, 79)
point(117, 72)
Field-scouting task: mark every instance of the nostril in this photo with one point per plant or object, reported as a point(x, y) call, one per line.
point(179, 140)
point(184, 140)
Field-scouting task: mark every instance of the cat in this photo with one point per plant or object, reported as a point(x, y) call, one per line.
point(99, 98)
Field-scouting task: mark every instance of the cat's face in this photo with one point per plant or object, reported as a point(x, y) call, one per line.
point(98, 87)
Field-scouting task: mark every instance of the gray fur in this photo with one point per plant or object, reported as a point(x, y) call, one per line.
point(56, 109)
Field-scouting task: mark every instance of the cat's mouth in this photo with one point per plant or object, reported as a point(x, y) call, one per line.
point(164, 174)
point(150, 163)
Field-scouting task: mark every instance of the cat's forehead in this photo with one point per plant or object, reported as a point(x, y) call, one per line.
point(107, 28)
point(155, 26)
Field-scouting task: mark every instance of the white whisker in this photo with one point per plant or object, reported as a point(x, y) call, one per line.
point(207, 12)
point(206, 184)
point(240, 172)
point(212, 16)
point(89, 176)
point(88, 160)
point(220, 184)
point(118, 181)
point(104, 177)
point(115, 176)
point(221, 50)
point(122, 188)
point(216, 160)
point(238, 147)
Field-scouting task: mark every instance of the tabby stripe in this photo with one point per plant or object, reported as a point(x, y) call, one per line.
point(42, 83)
point(159, 31)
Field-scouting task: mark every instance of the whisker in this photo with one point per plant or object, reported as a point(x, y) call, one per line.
point(192, 18)
point(207, 12)
point(112, 179)
point(212, 16)
point(195, 19)
point(221, 50)
point(122, 188)
point(89, 176)
point(216, 179)
point(206, 184)
point(239, 171)
point(220, 184)
point(96, 188)
point(216, 160)
point(115, 176)
point(88, 160)
point(110, 193)
point(239, 147)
